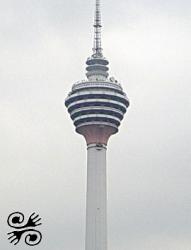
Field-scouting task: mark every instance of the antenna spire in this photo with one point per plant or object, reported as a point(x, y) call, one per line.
point(97, 69)
point(97, 30)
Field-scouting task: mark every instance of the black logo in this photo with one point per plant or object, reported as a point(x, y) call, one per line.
point(32, 237)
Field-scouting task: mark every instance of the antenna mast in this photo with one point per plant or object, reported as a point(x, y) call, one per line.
point(97, 30)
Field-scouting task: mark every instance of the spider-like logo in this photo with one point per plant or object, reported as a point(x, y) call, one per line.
point(32, 236)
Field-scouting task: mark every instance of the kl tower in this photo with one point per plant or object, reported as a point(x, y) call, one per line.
point(97, 106)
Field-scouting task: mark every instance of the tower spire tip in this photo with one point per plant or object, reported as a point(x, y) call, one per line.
point(97, 49)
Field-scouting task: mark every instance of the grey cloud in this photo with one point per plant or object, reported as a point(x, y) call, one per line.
point(43, 49)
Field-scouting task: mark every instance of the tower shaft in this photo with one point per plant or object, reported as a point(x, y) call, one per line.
point(96, 214)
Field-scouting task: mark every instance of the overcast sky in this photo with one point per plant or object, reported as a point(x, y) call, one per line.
point(43, 48)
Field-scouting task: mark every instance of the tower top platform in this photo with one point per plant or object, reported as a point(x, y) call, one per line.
point(98, 104)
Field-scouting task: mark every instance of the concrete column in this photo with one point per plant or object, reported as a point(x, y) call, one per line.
point(96, 202)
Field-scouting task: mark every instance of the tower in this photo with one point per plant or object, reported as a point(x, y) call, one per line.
point(97, 107)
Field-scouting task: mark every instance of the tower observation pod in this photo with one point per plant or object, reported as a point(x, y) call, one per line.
point(97, 107)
